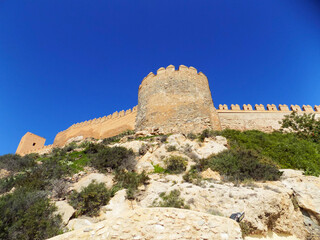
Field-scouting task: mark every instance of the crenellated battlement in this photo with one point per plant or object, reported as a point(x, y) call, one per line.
point(110, 117)
point(269, 108)
point(170, 71)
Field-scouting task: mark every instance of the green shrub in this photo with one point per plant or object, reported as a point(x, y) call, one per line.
point(171, 148)
point(158, 168)
point(191, 136)
point(16, 163)
point(193, 176)
point(305, 126)
point(117, 138)
point(206, 134)
point(172, 199)
point(131, 181)
point(240, 165)
point(287, 150)
point(114, 158)
point(28, 215)
point(246, 228)
point(70, 147)
point(175, 164)
point(90, 199)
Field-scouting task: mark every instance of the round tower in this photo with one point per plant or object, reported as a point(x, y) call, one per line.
point(176, 101)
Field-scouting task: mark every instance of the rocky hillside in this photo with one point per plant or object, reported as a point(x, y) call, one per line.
point(152, 186)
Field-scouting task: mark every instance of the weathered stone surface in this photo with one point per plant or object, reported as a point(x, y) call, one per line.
point(78, 223)
point(98, 177)
point(209, 174)
point(272, 236)
point(176, 101)
point(266, 208)
point(65, 210)
point(159, 223)
point(306, 190)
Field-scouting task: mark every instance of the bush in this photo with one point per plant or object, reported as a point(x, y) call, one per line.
point(117, 138)
point(171, 148)
point(191, 136)
point(158, 168)
point(173, 199)
point(240, 165)
point(16, 163)
point(28, 215)
point(59, 187)
point(193, 176)
point(176, 164)
point(305, 126)
point(90, 199)
point(287, 150)
point(114, 158)
point(131, 181)
point(206, 134)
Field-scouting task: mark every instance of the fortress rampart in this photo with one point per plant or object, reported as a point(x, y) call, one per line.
point(175, 101)
point(99, 128)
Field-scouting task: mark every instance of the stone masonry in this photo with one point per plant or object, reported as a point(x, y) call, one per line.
point(176, 101)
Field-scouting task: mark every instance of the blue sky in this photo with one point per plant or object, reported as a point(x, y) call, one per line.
point(67, 61)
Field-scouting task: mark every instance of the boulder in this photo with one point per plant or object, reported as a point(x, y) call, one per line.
point(159, 223)
point(209, 174)
point(65, 210)
point(306, 191)
point(78, 223)
point(98, 177)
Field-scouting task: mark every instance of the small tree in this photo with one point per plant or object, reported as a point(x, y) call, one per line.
point(306, 126)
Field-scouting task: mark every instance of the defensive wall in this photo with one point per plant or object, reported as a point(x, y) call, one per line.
point(259, 117)
point(97, 128)
point(175, 101)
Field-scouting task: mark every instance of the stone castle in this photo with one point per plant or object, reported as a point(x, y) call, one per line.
point(173, 101)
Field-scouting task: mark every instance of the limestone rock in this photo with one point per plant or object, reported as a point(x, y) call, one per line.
point(221, 140)
point(159, 223)
point(264, 208)
point(65, 210)
point(144, 166)
point(118, 204)
point(98, 177)
point(4, 173)
point(209, 174)
point(272, 236)
point(306, 189)
point(78, 223)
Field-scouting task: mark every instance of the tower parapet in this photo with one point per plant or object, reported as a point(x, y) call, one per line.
point(176, 101)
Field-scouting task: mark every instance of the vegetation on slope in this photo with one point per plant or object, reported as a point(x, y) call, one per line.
point(26, 212)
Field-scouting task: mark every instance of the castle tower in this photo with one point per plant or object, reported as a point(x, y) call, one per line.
point(176, 101)
point(30, 142)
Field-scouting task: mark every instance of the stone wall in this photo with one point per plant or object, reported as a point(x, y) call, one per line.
point(176, 101)
point(99, 128)
point(260, 118)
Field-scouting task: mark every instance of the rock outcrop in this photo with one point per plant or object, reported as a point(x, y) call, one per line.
point(159, 223)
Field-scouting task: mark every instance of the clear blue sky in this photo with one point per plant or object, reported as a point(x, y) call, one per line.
point(67, 61)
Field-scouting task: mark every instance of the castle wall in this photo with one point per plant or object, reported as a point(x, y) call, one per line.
point(99, 128)
point(176, 101)
point(259, 118)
